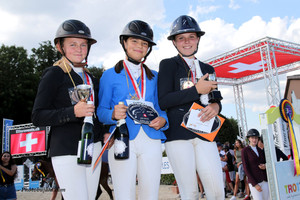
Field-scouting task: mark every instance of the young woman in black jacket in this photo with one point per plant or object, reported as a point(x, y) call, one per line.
point(178, 89)
point(56, 105)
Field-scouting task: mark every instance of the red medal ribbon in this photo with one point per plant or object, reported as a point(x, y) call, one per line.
point(135, 86)
point(89, 83)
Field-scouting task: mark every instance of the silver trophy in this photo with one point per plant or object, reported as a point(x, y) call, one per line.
point(215, 95)
point(83, 92)
point(212, 77)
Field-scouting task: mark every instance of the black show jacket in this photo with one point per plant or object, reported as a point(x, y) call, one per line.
point(175, 101)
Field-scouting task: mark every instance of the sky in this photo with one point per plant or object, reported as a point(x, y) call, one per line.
point(228, 24)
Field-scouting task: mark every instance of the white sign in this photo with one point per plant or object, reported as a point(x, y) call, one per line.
point(166, 166)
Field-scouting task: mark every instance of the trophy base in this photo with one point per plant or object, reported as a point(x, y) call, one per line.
point(214, 96)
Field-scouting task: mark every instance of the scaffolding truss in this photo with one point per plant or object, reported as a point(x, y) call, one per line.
point(276, 57)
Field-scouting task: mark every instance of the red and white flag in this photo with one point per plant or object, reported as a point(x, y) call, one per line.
point(27, 142)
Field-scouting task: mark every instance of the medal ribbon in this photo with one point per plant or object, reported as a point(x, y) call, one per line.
point(89, 83)
point(294, 148)
point(287, 114)
point(2, 176)
point(140, 94)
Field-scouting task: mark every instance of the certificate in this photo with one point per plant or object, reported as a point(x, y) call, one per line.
point(207, 130)
point(195, 123)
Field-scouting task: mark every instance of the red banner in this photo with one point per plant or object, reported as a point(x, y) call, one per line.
point(28, 142)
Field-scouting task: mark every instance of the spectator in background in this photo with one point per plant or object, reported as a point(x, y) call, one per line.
point(279, 153)
point(8, 171)
point(223, 163)
point(229, 170)
point(240, 174)
point(201, 189)
point(254, 163)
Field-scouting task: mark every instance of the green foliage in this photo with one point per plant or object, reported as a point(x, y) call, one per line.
point(19, 78)
point(167, 179)
point(44, 56)
point(229, 131)
point(96, 71)
point(17, 82)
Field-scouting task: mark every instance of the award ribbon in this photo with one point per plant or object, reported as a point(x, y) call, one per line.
point(287, 114)
point(140, 94)
point(3, 179)
point(37, 166)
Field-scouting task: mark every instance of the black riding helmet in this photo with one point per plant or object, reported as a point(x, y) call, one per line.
point(137, 29)
point(74, 28)
point(252, 132)
point(185, 24)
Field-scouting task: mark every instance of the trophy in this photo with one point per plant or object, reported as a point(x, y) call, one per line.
point(83, 92)
point(215, 95)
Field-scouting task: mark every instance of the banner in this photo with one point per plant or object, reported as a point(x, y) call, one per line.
point(5, 139)
point(166, 166)
point(19, 180)
point(28, 141)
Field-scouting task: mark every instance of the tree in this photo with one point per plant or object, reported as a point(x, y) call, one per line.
point(229, 131)
point(44, 56)
point(96, 71)
point(18, 84)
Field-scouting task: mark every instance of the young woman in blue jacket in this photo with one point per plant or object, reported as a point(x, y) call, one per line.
point(131, 79)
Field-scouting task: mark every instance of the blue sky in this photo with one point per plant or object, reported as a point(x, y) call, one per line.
point(228, 24)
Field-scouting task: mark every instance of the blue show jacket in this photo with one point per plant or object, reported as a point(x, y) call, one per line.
point(114, 89)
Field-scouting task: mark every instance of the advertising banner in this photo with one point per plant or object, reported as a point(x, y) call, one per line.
point(26, 141)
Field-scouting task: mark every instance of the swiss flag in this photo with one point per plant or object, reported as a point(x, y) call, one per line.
point(27, 142)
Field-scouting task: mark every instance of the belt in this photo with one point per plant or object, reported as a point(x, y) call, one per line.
point(6, 185)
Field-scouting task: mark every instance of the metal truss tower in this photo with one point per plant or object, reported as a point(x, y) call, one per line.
point(267, 49)
point(240, 110)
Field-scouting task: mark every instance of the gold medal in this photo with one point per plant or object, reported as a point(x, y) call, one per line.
point(134, 97)
point(187, 84)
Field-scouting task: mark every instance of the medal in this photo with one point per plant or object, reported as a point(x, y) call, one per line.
point(187, 84)
point(139, 94)
point(134, 97)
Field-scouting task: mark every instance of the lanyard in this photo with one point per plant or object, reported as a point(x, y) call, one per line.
point(193, 79)
point(3, 179)
point(140, 94)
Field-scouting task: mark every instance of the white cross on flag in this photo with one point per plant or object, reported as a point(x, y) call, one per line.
point(27, 142)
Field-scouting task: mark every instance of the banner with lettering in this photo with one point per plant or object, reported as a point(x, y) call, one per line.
point(28, 141)
point(6, 124)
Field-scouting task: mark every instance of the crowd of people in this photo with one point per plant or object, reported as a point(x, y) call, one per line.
point(168, 94)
